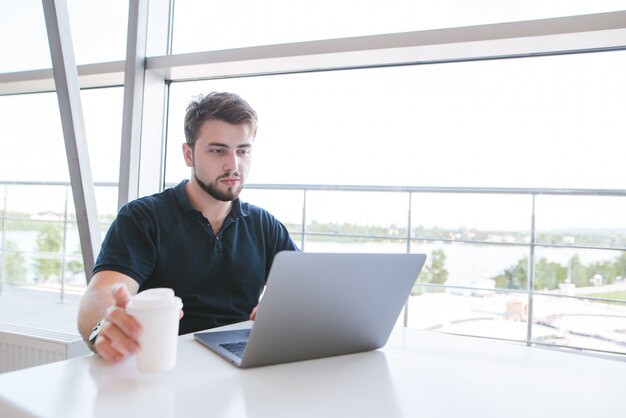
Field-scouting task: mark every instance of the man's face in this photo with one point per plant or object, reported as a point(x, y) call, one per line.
point(220, 159)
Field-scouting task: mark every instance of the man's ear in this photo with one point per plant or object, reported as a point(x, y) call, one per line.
point(188, 154)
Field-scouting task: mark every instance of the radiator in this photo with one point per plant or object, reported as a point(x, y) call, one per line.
point(22, 347)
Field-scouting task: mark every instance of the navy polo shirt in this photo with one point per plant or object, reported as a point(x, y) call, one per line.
point(161, 241)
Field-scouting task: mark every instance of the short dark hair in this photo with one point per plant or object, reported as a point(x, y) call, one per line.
point(227, 107)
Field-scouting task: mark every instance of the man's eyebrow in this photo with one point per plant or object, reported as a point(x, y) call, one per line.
point(220, 144)
point(217, 144)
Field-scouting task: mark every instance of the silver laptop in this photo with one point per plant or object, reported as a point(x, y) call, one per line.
point(319, 305)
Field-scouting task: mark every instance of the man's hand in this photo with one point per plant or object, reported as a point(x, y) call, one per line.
point(253, 314)
point(119, 335)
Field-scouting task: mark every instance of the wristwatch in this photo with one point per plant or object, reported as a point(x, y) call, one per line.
point(94, 332)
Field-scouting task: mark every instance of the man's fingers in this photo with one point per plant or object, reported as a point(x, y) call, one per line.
point(104, 348)
point(119, 335)
point(120, 294)
point(119, 340)
point(113, 343)
point(127, 325)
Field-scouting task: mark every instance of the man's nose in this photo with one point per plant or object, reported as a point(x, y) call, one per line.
point(231, 163)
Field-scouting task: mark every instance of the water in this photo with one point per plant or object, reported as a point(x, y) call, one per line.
point(467, 264)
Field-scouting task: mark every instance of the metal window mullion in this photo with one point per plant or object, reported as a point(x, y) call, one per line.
point(68, 94)
point(542, 37)
point(142, 150)
point(134, 72)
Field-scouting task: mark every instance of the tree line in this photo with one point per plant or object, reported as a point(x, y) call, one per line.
point(549, 274)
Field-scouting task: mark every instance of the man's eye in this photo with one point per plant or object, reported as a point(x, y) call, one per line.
point(217, 151)
point(243, 151)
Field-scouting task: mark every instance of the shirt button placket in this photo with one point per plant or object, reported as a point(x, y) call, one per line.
point(217, 248)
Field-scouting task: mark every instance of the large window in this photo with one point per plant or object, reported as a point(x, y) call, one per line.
point(498, 156)
point(548, 122)
point(38, 231)
point(98, 33)
point(535, 122)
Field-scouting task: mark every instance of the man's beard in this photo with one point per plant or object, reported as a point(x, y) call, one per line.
point(227, 196)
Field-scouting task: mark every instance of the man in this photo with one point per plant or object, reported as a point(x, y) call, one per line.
point(197, 238)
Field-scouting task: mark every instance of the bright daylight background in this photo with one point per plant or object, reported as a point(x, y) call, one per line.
point(542, 122)
point(550, 122)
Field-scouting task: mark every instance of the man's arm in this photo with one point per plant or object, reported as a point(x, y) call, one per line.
point(105, 299)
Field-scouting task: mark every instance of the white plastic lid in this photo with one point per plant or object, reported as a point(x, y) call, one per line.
point(155, 298)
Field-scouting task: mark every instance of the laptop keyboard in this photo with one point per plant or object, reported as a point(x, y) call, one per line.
point(237, 348)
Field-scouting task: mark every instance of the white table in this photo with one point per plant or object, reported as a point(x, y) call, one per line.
point(417, 374)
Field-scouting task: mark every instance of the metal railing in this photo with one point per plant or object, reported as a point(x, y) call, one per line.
point(64, 220)
point(408, 239)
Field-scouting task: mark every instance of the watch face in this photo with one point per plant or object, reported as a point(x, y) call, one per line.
point(95, 331)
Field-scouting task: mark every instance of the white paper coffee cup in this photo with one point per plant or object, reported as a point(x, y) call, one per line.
point(157, 312)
